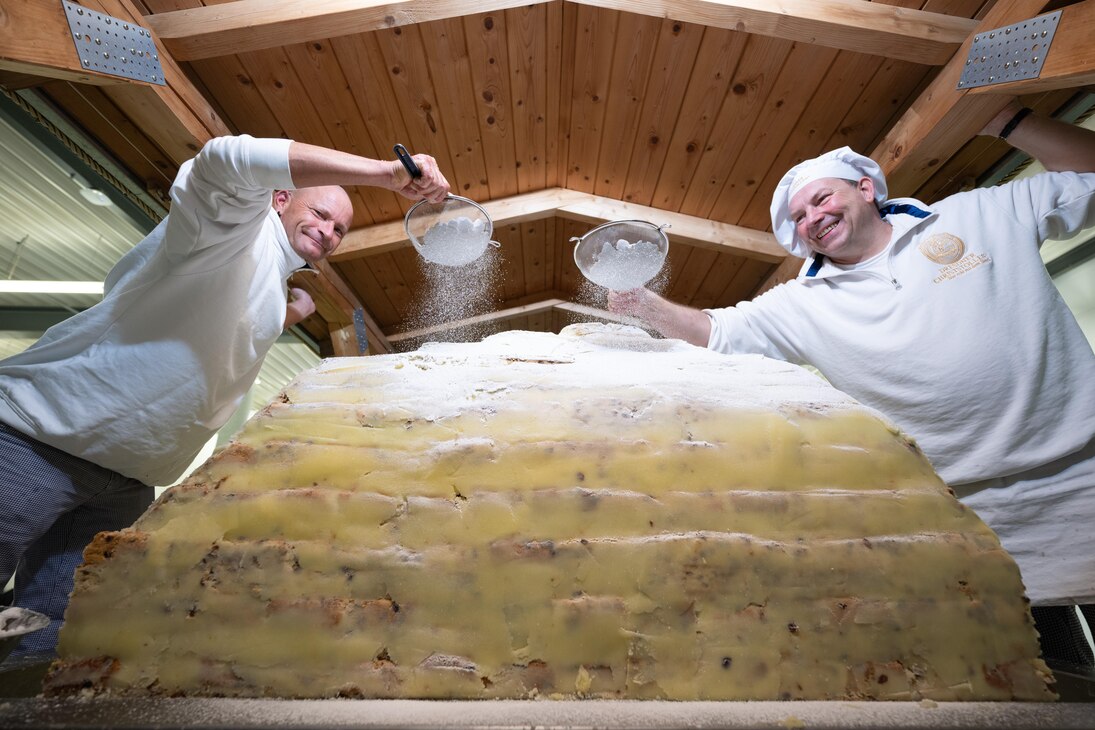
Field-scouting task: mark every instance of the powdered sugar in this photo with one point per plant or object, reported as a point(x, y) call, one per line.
point(449, 377)
point(625, 265)
point(455, 294)
point(455, 242)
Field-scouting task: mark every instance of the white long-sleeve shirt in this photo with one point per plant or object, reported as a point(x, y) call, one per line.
point(141, 381)
point(955, 331)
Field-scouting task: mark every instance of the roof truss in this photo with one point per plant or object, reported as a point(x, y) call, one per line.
point(251, 25)
point(504, 315)
point(593, 209)
point(1070, 62)
point(35, 40)
point(940, 121)
point(943, 118)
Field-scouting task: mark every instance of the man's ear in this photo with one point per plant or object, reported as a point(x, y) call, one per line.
point(281, 199)
point(866, 188)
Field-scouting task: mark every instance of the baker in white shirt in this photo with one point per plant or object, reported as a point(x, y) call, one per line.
point(944, 318)
point(124, 395)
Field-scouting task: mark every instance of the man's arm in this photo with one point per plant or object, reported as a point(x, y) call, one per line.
point(1059, 146)
point(312, 166)
point(299, 307)
point(670, 319)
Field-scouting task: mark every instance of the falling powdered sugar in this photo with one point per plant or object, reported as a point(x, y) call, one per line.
point(455, 242)
point(595, 296)
point(624, 265)
point(451, 294)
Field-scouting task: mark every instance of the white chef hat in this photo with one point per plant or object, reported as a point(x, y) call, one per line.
point(840, 163)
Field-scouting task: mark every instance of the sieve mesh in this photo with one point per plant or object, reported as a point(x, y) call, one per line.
point(454, 232)
point(622, 255)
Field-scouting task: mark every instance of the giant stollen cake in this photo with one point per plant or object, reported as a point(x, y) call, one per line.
point(593, 514)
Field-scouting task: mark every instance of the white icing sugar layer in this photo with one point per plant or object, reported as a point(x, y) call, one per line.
point(625, 265)
point(455, 242)
point(594, 359)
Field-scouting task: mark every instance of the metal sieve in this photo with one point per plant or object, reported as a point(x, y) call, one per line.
point(454, 232)
point(622, 255)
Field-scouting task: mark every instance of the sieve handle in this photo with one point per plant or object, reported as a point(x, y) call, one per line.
point(405, 158)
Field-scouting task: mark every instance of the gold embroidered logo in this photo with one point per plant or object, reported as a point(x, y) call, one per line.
point(967, 263)
point(943, 248)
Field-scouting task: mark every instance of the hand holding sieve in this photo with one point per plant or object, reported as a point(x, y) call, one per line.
point(408, 161)
point(454, 232)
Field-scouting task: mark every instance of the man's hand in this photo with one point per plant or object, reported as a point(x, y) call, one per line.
point(996, 125)
point(1059, 146)
point(630, 303)
point(670, 319)
point(299, 308)
point(431, 186)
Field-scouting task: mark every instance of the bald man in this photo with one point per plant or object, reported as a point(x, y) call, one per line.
point(124, 395)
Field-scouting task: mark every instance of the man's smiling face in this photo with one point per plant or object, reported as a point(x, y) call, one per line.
point(837, 218)
point(315, 219)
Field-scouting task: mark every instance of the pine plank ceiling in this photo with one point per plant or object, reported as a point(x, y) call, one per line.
point(562, 115)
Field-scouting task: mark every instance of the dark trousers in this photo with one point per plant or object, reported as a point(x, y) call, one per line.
point(51, 506)
point(1062, 636)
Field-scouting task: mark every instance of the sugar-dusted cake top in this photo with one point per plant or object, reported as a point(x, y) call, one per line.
point(608, 358)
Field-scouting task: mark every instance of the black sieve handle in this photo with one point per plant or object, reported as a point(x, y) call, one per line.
point(405, 158)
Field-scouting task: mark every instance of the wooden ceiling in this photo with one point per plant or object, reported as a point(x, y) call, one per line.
point(556, 116)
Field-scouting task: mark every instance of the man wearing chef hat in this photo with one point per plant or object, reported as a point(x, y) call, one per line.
point(125, 394)
point(944, 318)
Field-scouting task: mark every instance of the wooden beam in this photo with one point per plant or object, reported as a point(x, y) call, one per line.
point(14, 80)
point(1070, 62)
point(942, 118)
point(378, 342)
point(851, 25)
point(336, 306)
point(524, 310)
point(783, 273)
point(255, 25)
point(500, 315)
point(344, 341)
point(177, 117)
point(687, 229)
point(391, 236)
point(594, 209)
point(35, 40)
point(587, 311)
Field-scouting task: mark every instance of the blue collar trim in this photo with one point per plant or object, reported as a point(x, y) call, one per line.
point(904, 209)
point(815, 267)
